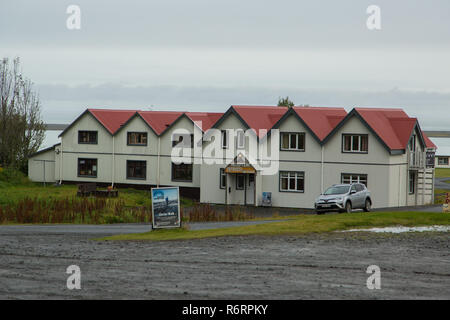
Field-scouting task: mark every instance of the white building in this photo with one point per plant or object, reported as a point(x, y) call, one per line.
point(318, 147)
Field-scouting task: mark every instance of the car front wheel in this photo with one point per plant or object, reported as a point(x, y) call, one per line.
point(348, 207)
point(367, 206)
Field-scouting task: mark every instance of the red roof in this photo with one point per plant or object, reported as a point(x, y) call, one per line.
point(260, 117)
point(321, 120)
point(208, 119)
point(393, 126)
point(160, 120)
point(428, 141)
point(112, 119)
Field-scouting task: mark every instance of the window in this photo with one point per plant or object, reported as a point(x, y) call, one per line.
point(136, 169)
point(182, 172)
point(292, 141)
point(183, 140)
point(412, 143)
point(443, 161)
point(240, 182)
point(412, 182)
point(87, 168)
point(359, 187)
point(137, 138)
point(87, 137)
point(224, 139)
point(292, 181)
point(223, 177)
point(240, 139)
point(349, 178)
point(355, 143)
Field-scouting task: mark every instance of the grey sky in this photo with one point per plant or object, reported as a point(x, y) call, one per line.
point(209, 54)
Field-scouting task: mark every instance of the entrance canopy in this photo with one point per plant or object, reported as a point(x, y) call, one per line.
point(240, 164)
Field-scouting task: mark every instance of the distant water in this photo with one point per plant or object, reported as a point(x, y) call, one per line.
point(443, 145)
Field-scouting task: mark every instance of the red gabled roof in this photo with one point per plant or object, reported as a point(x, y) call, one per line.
point(160, 120)
point(208, 119)
point(428, 141)
point(393, 126)
point(112, 119)
point(321, 120)
point(260, 117)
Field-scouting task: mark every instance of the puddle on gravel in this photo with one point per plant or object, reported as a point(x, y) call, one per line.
point(402, 229)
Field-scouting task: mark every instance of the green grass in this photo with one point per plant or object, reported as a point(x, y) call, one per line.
point(440, 195)
point(442, 173)
point(11, 194)
point(298, 225)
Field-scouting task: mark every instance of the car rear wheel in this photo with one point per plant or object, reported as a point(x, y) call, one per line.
point(348, 207)
point(367, 206)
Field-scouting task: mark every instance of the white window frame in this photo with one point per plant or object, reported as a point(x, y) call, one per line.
point(352, 136)
point(361, 178)
point(222, 175)
point(240, 139)
point(291, 175)
point(299, 135)
point(224, 139)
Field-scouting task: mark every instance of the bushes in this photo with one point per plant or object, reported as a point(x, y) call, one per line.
point(72, 210)
point(206, 213)
point(11, 177)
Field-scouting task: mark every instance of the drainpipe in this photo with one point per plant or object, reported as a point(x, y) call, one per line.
point(61, 163)
point(113, 164)
point(159, 156)
point(321, 173)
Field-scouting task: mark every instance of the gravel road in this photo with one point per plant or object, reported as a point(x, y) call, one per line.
point(323, 266)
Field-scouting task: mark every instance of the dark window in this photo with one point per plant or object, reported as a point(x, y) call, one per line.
point(137, 138)
point(359, 187)
point(223, 177)
point(349, 178)
point(442, 161)
point(355, 143)
point(87, 137)
point(292, 181)
point(136, 169)
point(183, 140)
point(87, 168)
point(182, 172)
point(224, 139)
point(412, 182)
point(240, 182)
point(292, 141)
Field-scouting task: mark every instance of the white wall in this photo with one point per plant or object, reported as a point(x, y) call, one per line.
point(36, 167)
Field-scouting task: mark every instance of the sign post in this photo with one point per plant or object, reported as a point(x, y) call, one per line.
point(166, 208)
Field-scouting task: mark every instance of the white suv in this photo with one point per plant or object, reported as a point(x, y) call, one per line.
point(344, 198)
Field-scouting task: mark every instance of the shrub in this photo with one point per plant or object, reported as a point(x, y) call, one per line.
point(10, 176)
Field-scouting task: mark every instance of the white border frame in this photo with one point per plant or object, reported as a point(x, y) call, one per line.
point(179, 209)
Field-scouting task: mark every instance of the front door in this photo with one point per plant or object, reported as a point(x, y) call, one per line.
point(250, 190)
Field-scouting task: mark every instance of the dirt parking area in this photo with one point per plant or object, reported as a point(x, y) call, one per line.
point(325, 266)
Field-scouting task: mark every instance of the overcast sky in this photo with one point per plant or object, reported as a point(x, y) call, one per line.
point(205, 55)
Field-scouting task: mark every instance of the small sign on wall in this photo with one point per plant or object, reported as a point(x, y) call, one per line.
point(267, 199)
point(166, 207)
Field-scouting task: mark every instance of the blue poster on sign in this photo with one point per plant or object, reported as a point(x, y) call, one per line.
point(166, 207)
point(267, 198)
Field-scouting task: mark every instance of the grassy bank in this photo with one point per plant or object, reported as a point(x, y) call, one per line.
point(301, 224)
point(22, 201)
point(442, 173)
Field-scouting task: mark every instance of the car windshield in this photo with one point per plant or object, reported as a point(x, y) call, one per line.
point(336, 190)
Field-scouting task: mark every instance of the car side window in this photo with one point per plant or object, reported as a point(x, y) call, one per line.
point(359, 188)
point(353, 188)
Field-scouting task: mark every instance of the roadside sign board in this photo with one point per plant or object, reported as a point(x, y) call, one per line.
point(166, 207)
